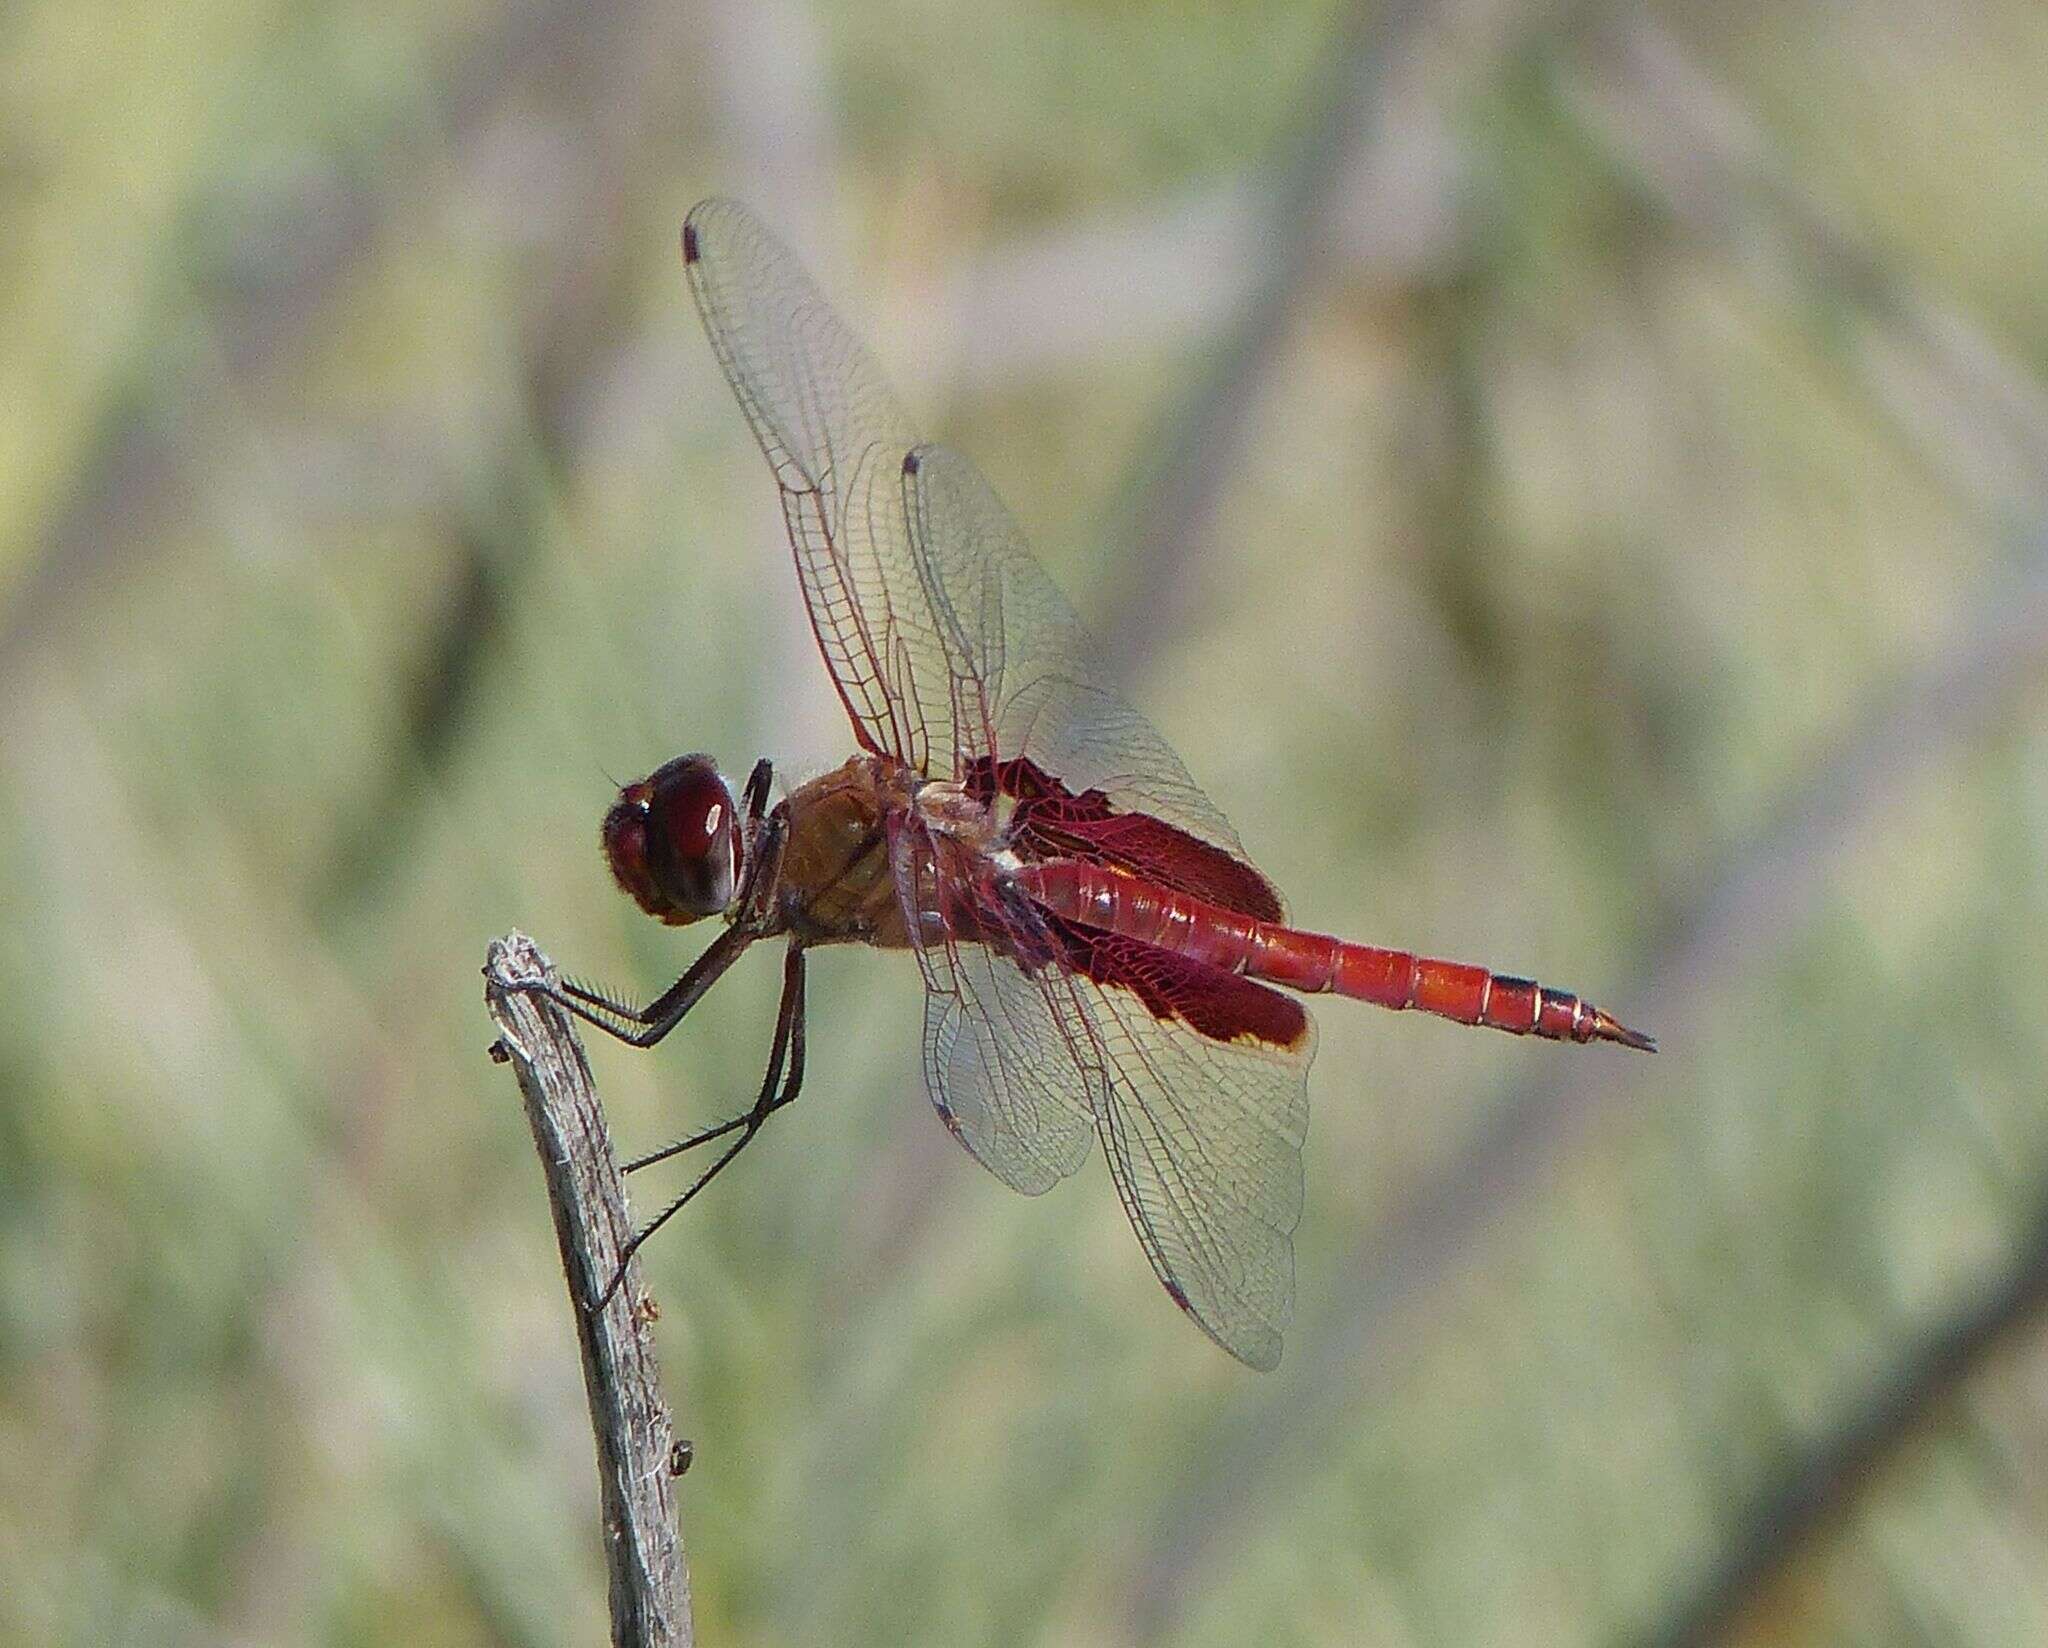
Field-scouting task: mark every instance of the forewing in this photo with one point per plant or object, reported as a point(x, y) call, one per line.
point(998, 1063)
point(1017, 656)
point(835, 437)
point(949, 645)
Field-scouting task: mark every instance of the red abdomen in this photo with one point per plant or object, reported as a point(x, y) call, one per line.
point(1110, 900)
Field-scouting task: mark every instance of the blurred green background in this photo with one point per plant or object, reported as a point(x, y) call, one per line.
point(1571, 480)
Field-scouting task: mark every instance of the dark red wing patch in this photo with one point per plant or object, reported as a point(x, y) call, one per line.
point(1056, 823)
point(1219, 1005)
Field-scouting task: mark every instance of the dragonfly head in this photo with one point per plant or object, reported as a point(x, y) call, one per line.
point(674, 843)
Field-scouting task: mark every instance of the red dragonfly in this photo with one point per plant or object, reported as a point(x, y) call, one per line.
point(1098, 953)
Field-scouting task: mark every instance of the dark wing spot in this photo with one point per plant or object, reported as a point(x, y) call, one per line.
point(689, 243)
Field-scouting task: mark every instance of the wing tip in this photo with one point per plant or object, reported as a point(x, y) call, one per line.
point(1258, 1349)
point(694, 219)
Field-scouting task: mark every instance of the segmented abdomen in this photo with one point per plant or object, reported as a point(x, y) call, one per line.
point(1094, 895)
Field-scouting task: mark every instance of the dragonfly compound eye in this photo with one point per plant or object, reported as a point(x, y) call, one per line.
point(673, 842)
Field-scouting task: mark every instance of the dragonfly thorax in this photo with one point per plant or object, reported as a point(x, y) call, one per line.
point(945, 808)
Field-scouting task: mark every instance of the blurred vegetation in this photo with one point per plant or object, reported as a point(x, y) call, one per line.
point(1628, 567)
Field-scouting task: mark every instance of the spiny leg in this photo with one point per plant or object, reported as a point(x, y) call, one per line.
point(789, 1039)
point(765, 838)
point(644, 1026)
point(753, 1118)
point(756, 793)
point(779, 1087)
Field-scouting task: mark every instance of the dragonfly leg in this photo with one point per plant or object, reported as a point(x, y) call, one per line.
point(756, 793)
point(789, 1029)
point(755, 899)
point(644, 1026)
point(778, 1088)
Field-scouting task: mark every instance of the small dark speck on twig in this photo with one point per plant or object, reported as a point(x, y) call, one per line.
point(638, 1455)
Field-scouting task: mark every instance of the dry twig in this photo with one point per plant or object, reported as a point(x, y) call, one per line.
point(638, 1455)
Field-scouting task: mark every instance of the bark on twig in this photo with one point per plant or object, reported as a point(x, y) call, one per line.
point(638, 1455)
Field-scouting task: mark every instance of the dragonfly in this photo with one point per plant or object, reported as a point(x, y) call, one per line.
point(1101, 960)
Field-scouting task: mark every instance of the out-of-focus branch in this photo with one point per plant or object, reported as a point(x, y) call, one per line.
point(1762, 889)
point(145, 462)
point(1820, 1484)
point(1188, 269)
point(768, 69)
point(1977, 417)
point(499, 523)
point(638, 1456)
point(1182, 467)
point(1709, 175)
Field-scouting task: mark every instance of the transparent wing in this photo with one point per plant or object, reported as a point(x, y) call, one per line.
point(1203, 1134)
point(998, 1063)
point(1204, 1140)
point(1021, 677)
point(835, 438)
point(954, 653)
point(1203, 1128)
point(946, 648)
